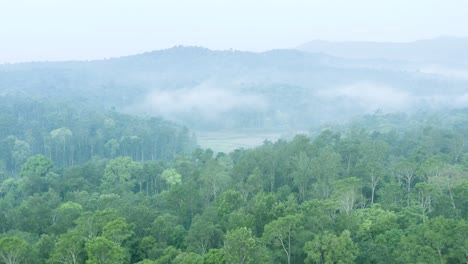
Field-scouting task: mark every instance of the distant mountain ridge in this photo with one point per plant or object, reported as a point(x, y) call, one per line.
point(442, 49)
point(206, 89)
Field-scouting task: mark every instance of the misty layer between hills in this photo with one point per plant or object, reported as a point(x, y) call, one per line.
point(280, 90)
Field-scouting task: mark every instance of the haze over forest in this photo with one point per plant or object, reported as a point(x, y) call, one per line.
point(319, 83)
point(233, 132)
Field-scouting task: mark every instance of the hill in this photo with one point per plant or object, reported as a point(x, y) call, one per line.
point(279, 90)
point(441, 49)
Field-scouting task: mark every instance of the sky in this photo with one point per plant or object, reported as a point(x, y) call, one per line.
point(51, 30)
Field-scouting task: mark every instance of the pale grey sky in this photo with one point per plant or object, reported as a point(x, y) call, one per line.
point(32, 30)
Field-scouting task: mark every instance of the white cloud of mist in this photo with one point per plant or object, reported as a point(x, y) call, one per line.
point(207, 99)
point(370, 97)
point(222, 103)
point(445, 71)
point(461, 101)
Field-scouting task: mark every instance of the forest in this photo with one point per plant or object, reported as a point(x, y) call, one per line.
point(78, 186)
point(233, 132)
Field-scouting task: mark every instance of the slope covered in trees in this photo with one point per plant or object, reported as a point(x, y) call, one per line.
point(68, 135)
point(279, 90)
point(388, 188)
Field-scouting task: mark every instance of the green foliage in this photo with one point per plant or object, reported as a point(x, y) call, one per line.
point(69, 134)
point(120, 175)
point(328, 248)
point(36, 213)
point(34, 172)
point(167, 231)
point(117, 231)
point(214, 256)
point(65, 216)
point(283, 234)
point(241, 246)
point(171, 177)
point(168, 256)
point(13, 250)
point(203, 235)
point(188, 258)
point(342, 197)
point(69, 248)
point(102, 251)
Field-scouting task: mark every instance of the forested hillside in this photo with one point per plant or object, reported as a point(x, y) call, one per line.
point(384, 189)
point(68, 135)
point(279, 90)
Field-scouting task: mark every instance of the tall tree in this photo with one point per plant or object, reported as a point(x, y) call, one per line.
point(13, 250)
point(302, 172)
point(102, 251)
point(328, 248)
point(284, 232)
point(241, 247)
point(34, 172)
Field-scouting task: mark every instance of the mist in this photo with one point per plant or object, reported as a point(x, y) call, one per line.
point(207, 99)
point(280, 91)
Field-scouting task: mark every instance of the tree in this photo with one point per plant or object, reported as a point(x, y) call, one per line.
point(13, 250)
point(458, 251)
point(391, 195)
point(36, 213)
point(445, 180)
point(21, 151)
point(240, 246)
point(203, 235)
point(65, 216)
point(61, 135)
point(90, 225)
point(283, 231)
point(347, 193)
point(214, 256)
point(102, 251)
point(374, 228)
point(326, 167)
point(413, 248)
point(117, 231)
point(44, 247)
point(261, 205)
point(69, 248)
point(328, 248)
point(372, 163)
point(188, 258)
point(424, 196)
point(34, 172)
point(406, 172)
point(168, 256)
point(171, 177)
point(374, 221)
point(228, 202)
point(214, 179)
point(167, 231)
point(119, 175)
point(112, 146)
point(302, 173)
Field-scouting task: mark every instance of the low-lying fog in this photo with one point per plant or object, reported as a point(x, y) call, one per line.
point(243, 93)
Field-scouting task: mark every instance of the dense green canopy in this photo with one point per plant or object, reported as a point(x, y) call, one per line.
point(110, 188)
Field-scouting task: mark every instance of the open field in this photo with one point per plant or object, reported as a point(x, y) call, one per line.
point(226, 141)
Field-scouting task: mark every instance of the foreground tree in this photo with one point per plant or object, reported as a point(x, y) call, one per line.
point(283, 232)
point(13, 250)
point(329, 249)
point(241, 247)
point(34, 172)
point(102, 251)
point(203, 235)
point(69, 249)
point(119, 175)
